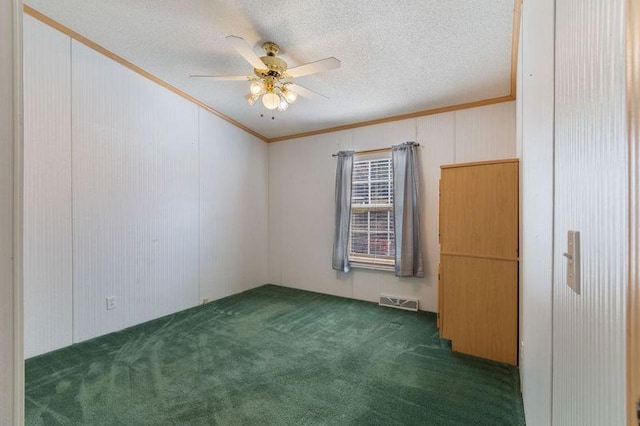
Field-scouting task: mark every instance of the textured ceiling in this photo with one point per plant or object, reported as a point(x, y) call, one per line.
point(397, 57)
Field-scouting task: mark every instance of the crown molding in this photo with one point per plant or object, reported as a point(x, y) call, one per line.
point(119, 59)
point(507, 98)
point(515, 39)
point(432, 111)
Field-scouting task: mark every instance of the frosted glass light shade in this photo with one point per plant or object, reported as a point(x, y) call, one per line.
point(289, 95)
point(270, 100)
point(283, 105)
point(251, 99)
point(256, 87)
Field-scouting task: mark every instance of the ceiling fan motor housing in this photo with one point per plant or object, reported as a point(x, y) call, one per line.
point(276, 67)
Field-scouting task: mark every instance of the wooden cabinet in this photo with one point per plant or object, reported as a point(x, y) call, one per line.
point(478, 285)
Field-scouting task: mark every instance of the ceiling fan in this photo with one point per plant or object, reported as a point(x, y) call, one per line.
point(271, 75)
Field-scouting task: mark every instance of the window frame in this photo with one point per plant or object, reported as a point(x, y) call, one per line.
point(366, 261)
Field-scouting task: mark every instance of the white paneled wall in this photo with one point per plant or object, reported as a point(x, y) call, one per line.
point(590, 197)
point(135, 197)
point(301, 197)
point(436, 134)
point(485, 133)
point(233, 206)
point(131, 192)
point(536, 167)
point(301, 183)
point(47, 191)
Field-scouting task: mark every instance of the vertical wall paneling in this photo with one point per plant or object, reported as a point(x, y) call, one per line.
point(11, 381)
point(47, 189)
point(437, 142)
point(301, 200)
point(519, 147)
point(135, 197)
point(301, 197)
point(486, 133)
point(633, 304)
point(233, 208)
point(536, 267)
point(132, 192)
point(591, 194)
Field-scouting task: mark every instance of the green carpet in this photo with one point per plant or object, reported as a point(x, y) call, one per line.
point(272, 356)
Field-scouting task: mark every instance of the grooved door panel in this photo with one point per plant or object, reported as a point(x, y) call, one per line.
point(482, 318)
point(135, 197)
point(478, 210)
point(47, 189)
point(591, 196)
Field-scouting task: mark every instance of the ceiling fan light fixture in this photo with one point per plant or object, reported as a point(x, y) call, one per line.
point(289, 95)
point(271, 75)
point(283, 104)
point(270, 100)
point(257, 87)
point(252, 98)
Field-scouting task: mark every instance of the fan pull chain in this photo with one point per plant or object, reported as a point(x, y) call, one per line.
point(272, 116)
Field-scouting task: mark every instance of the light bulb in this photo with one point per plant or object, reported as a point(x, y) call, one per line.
point(289, 95)
point(270, 100)
point(251, 99)
point(283, 104)
point(256, 87)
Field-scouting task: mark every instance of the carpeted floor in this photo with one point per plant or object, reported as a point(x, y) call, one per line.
point(272, 356)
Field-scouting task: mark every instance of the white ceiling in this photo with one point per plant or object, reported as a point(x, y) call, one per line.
point(397, 56)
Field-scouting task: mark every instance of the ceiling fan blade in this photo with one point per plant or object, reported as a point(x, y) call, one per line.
point(314, 67)
point(303, 91)
point(246, 51)
point(223, 78)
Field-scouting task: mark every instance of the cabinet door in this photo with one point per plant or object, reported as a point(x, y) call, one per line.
point(479, 210)
point(481, 299)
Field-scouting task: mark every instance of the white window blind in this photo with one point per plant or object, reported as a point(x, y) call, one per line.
point(372, 237)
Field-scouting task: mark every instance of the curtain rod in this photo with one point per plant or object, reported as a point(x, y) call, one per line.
point(373, 151)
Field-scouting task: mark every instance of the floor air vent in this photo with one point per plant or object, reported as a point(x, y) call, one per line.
point(399, 302)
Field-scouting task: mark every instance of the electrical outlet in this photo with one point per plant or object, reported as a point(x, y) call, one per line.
point(111, 303)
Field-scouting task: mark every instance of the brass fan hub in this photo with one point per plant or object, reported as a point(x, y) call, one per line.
point(276, 67)
point(271, 48)
point(270, 83)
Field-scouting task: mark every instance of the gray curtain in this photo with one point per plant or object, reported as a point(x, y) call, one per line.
point(405, 210)
point(344, 171)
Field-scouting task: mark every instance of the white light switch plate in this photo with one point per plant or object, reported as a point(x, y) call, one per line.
point(573, 260)
point(111, 303)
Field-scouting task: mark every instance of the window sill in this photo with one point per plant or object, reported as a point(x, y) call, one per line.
point(374, 266)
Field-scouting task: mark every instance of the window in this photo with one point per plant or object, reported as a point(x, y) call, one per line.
point(372, 239)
